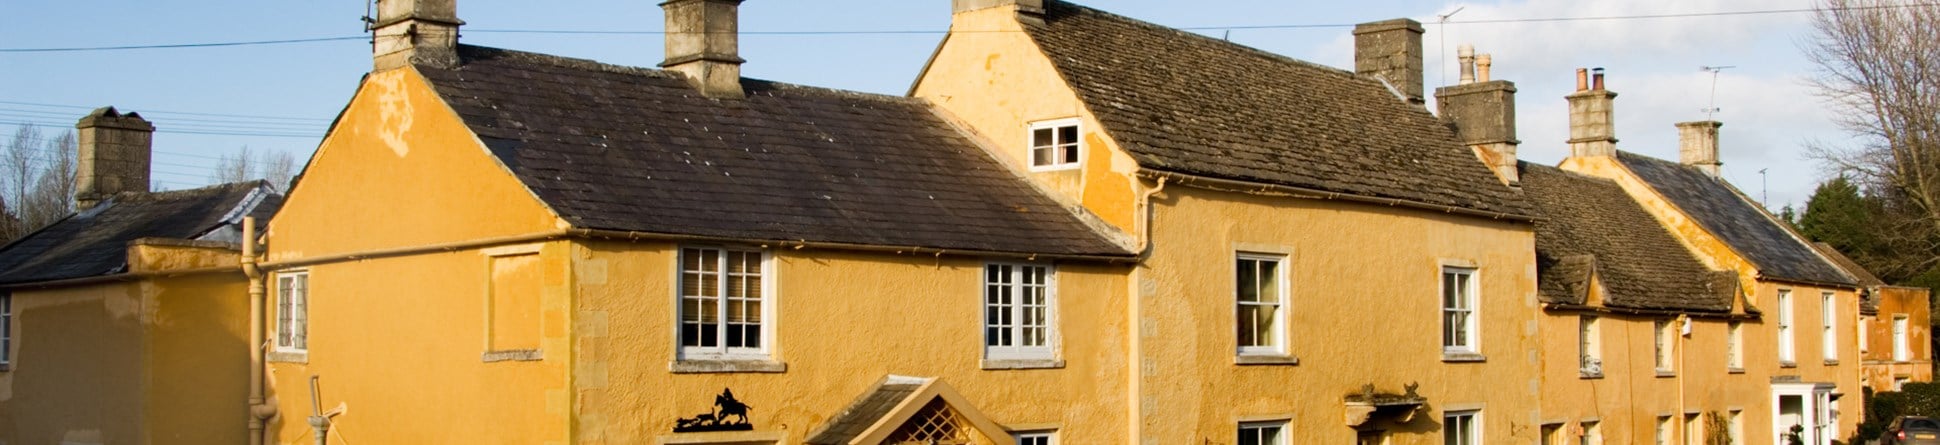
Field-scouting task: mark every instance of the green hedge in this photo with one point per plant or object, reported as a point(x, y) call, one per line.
point(1913, 399)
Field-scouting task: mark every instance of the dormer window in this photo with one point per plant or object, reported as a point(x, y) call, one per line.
point(1054, 145)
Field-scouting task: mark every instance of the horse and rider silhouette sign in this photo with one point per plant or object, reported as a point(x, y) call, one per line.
point(728, 415)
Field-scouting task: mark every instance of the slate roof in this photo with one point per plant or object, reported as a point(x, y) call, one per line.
point(1590, 224)
point(94, 242)
point(623, 148)
point(866, 411)
point(1743, 225)
point(1186, 103)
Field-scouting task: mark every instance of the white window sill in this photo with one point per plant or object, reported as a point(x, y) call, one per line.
point(1832, 362)
point(723, 437)
point(289, 357)
point(724, 366)
point(5, 367)
point(998, 364)
point(1264, 359)
point(1787, 364)
point(1055, 168)
point(1589, 376)
point(1735, 370)
point(1663, 373)
point(514, 355)
point(1463, 357)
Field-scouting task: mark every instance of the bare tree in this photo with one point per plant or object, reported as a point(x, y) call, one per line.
point(52, 197)
point(1879, 67)
point(279, 167)
point(236, 167)
point(17, 164)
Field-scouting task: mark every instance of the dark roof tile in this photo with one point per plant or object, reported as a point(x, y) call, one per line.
point(1743, 225)
point(622, 148)
point(94, 242)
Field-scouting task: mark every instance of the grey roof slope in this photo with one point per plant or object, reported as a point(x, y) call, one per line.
point(865, 411)
point(1868, 303)
point(1185, 103)
point(1733, 218)
point(623, 148)
point(94, 242)
point(1591, 224)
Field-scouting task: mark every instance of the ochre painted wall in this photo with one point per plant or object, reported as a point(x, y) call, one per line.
point(147, 361)
point(400, 342)
point(400, 170)
point(1364, 308)
point(1880, 367)
point(994, 79)
point(843, 321)
point(1630, 395)
point(1762, 343)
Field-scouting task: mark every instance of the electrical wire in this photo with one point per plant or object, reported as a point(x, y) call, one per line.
point(938, 32)
point(186, 113)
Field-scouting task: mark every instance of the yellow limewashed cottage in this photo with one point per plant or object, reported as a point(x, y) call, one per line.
point(127, 321)
point(1803, 345)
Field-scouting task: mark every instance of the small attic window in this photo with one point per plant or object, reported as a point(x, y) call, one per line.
point(1054, 145)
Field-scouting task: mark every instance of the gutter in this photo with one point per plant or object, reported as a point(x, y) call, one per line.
point(1262, 188)
point(651, 236)
point(1646, 312)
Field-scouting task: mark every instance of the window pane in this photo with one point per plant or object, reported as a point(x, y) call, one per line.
point(1068, 134)
point(1069, 153)
point(1247, 319)
point(1269, 276)
point(1043, 156)
point(1248, 282)
point(1042, 137)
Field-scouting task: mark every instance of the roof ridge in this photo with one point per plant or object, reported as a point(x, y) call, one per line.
point(1188, 34)
point(590, 64)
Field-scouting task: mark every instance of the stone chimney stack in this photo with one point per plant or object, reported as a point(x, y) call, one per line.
point(1391, 50)
point(1593, 126)
point(422, 31)
point(1698, 145)
point(1483, 114)
point(114, 158)
point(704, 42)
point(1025, 8)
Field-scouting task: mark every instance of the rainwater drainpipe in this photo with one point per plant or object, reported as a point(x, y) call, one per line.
point(259, 412)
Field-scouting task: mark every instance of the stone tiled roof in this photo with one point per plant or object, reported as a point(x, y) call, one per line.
point(623, 148)
point(865, 411)
point(1742, 224)
point(1592, 225)
point(94, 242)
point(1185, 103)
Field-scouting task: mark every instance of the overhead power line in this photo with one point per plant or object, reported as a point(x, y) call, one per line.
point(186, 113)
point(935, 32)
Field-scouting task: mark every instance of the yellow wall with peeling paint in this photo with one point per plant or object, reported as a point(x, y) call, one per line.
point(401, 342)
point(155, 360)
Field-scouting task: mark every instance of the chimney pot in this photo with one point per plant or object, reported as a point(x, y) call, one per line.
point(415, 31)
point(1596, 76)
point(1391, 51)
point(114, 153)
point(704, 43)
point(1466, 54)
point(1698, 145)
point(1582, 79)
point(1482, 63)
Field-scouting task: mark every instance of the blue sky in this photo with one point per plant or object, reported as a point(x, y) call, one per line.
point(281, 97)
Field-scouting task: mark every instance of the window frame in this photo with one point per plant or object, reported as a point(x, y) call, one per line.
point(1735, 421)
point(1279, 437)
point(1828, 324)
point(1589, 344)
point(1278, 331)
point(1902, 338)
point(1471, 342)
point(1473, 434)
point(6, 330)
point(1050, 437)
point(1665, 359)
point(1049, 349)
point(1057, 164)
point(292, 312)
point(1592, 432)
point(1693, 428)
point(1734, 349)
point(722, 351)
point(1664, 434)
point(1787, 345)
